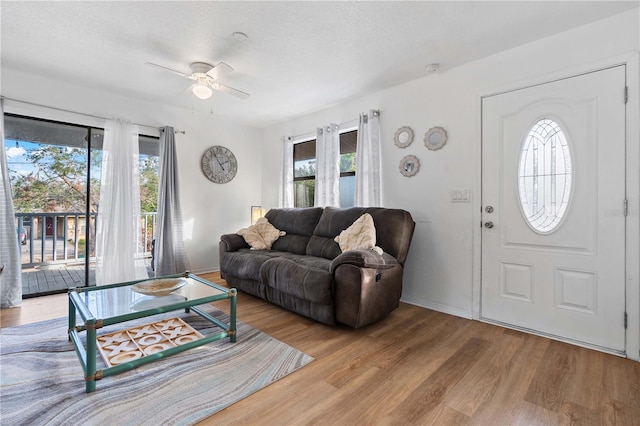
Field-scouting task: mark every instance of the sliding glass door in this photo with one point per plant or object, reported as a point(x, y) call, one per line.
point(55, 176)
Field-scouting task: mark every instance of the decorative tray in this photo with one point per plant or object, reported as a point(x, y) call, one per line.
point(151, 302)
point(136, 342)
point(159, 287)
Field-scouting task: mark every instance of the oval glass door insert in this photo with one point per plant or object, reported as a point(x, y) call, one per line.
point(545, 176)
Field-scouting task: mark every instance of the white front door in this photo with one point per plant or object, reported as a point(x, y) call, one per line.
point(553, 191)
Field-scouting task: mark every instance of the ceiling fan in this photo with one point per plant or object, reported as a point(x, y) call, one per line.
point(205, 76)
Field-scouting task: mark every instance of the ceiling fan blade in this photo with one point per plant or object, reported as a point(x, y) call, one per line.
point(187, 89)
point(230, 90)
point(168, 69)
point(219, 70)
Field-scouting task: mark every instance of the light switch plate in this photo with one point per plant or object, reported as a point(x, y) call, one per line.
point(460, 195)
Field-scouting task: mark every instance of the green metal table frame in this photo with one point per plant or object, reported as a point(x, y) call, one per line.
point(88, 354)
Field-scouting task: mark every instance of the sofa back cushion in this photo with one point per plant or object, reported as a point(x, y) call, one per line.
point(331, 223)
point(394, 229)
point(298, 223)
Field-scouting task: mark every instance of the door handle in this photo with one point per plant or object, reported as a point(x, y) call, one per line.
point(488, 225)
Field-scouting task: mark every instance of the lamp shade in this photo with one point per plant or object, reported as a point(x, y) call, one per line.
point(256, 213)
point(202, 90)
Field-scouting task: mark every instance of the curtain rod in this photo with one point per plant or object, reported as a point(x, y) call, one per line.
point(375, 112)
point(75, 112)
point(182, 132)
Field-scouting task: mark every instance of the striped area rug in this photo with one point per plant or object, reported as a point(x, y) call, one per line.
point(41, 381)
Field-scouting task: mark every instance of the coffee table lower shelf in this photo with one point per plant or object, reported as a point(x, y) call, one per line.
point(88, 354)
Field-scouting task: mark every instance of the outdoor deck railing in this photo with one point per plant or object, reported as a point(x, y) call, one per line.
point(60, 237)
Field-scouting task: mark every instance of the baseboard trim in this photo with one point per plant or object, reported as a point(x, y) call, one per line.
point(438, 307)
point(203, 271)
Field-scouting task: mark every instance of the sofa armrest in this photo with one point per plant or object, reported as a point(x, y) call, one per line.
point(367, 286)
point(232, 242)
point(366, 295)
point(228, 243)
point(364, 259)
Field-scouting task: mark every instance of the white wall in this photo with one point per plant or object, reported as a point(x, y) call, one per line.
point(209, 209)
point(442, 265)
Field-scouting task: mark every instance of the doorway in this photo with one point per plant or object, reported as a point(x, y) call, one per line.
point(553, 209)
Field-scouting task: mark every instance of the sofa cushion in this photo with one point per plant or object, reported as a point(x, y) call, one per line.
point(361, 235)
point(298, 224)
point(261, 235)
point(324, 313)
point(253, 287)
point(331, 223)
point(324, 247)
point(394, 229)
point(310, 281)
point(296, 244)
point(246, 263)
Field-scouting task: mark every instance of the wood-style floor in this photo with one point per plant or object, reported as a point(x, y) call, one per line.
point(418, 367)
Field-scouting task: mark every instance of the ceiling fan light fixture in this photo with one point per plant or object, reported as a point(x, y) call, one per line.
point(202, 90)
point(204, 76)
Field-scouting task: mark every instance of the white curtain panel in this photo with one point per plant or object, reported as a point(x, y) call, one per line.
point(10, 265)
point(171, 255)
point(286, 174)
point(119, 250)
point(368, 192)
point(327, 191)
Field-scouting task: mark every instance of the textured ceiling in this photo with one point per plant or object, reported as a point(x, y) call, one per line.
point(300, 56)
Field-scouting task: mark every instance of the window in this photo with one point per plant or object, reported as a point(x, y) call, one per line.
point(304, 171)
point(544, 176)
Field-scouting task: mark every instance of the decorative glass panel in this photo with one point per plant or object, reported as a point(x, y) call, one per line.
point(544, 176)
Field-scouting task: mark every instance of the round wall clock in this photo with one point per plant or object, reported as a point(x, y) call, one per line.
point(409, 165)
point(219, 164)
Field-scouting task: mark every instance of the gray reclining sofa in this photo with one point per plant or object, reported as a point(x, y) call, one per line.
point(306, 272)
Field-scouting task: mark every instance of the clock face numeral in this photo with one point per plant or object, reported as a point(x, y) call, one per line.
point(219, 164)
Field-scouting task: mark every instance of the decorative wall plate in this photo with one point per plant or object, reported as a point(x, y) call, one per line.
point(409, 165)
point(403, 137)
point(435, 138)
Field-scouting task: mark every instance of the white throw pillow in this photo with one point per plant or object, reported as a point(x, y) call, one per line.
point(262, 235)
point(361, 235)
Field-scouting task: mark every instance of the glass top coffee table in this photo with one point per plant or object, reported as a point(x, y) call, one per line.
point(101, 306)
